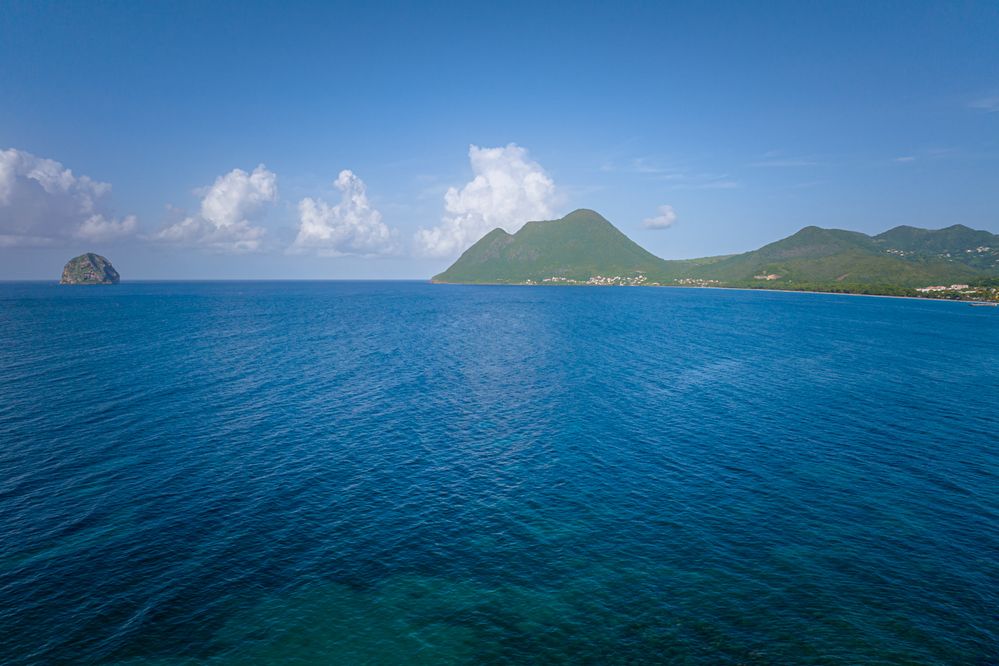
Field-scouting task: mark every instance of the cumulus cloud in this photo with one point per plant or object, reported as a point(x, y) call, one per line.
point(508, 190)
point(98, 227)
point(664, 220)
point(228, 208)
point(349, 227)
point(44, 203)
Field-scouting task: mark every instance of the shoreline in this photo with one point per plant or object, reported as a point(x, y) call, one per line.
point(682, 286)
point(55, 283)
point(841, 293)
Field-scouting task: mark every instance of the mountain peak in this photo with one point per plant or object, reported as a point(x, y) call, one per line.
point(580, 216)
point(581, 245)
point(584, 214)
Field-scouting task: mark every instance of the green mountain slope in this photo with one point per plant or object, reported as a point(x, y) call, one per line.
point(955, 238)
point(577, 247)
point(815, 255)
point(957, 243)
point(802, 248)
point(584, 245)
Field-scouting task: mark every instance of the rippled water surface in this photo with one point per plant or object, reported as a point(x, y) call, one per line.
point(405, 473)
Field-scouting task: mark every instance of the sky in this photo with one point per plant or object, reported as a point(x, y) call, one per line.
point(272, 140)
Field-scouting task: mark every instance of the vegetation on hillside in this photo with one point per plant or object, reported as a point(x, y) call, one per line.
point(580, 245)
point(89, 268)
point(584, 248)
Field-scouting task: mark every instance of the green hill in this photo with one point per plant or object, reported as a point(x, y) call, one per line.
point(833, 256)
point(579, 246)
point(955, 238)
point(957, 243)
point(583, 247)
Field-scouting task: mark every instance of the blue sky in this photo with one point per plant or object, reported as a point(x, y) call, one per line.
point(298, 140)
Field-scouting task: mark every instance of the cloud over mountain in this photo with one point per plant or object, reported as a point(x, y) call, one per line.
point(352, 226)
point(44, 203)
point(507, 190)
point(228, 208)
point(664, 220)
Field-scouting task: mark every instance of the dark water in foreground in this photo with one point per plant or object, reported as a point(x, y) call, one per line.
point(403, 473)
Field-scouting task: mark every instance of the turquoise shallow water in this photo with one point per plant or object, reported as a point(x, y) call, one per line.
point(241, 473)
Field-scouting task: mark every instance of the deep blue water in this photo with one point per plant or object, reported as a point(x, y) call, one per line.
point(406, 473)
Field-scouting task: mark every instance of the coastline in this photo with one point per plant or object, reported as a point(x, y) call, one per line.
point(680, 286)
point(840, 293)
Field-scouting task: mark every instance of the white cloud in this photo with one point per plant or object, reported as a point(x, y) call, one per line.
point(228, 208)
point(350, 227)
point(664, 220)
point(44, 203)
point(508, 190)
point(98, 227)
point(238, 194)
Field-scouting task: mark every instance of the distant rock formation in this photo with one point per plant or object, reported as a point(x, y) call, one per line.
point(89, 268)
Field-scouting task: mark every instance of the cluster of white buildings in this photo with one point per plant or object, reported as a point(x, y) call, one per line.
point(600, 280)
point(617, 280)
point(953, 287)
point(695, 282)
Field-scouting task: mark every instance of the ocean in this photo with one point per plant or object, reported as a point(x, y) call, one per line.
point(399, 472)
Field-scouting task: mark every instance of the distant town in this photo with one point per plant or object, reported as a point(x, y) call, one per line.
point(963, 292)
